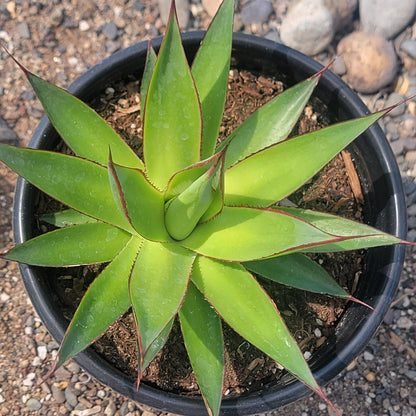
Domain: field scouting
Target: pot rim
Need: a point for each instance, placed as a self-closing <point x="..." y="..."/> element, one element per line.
<point x="254" y="402"/>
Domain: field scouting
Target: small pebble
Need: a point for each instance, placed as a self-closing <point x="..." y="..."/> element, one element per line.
<point x="110" y="30"/>
<point x="84" y="26"/>
<point x="368" y="356"/>
<point x="42" y="351"/>
<point x="33" y="404"/>
<point x="370" y="376"/>
<point x="101" y="394"/>
<point x="110" y="409"/>
<point x="409" y="46"/>
<point x="411" y="374"/>
<point x="58" y="394"/>
<point x="4" y="297"/>
<point x="23" y="30"/>
<point x="404" y="323"/>
<point x="28" y="381"/>
<point x="70" y="396"/>
<point x="393" y="99"/>
<point x="339" y="66"/>
<point x="256" y="11"/>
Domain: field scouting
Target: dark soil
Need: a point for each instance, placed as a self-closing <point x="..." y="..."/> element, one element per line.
<point x="311" y="318"/>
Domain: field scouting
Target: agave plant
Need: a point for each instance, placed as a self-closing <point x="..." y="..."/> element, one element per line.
<point x="187" y="224"/>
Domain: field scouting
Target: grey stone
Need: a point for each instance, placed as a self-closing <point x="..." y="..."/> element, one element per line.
<point x="273" y="35"/>
<point x="409" y="187"/>
<point x="409" y="143"/>
<point x="391" y="130"/>
<point x="339" y="66"/>
<point x="58" y="394"/>
<point x="110" y="30"/>
<point x="408" y="411"/>
<point x="409" y="46"/>
<point x="57" y="16"/>
<point x="342" y="12"/>
<point x="308" y="27"/>
<point x="411" y="235"/>
<point x="407" y="126"/>
<point x="70" y="396"/>
<point x="137" y="5"/>
<point x="7" y="135"/>
<point x="404" y="323"/>
<point x="393" y="99"/>
<point x="397" y="147"/>
<point x="370" y="60"/>
<point x="368" y="356"/>
<point x="257" y="11"/>
<point x="411" y="374"/>
<point x="182" y="9"/>
<point x="392" y="412"/>
<point x="23" y="30"/>
<point x="386" y="17"/>
<point x="33" y="404"/>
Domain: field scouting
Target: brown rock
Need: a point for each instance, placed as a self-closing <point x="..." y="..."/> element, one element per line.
<point x="370" y="60"/>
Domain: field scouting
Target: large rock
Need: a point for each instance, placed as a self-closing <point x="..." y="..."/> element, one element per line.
<point x="308" y="27"/>
<point x="370" y="60"/>
<point x="386" y="17"/>
<point x="342" y="12"/>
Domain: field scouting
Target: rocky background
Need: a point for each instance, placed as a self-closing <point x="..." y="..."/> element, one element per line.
<point x="61" y="39"/>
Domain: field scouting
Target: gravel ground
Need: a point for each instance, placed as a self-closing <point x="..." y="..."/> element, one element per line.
<point x="61" y="39"/>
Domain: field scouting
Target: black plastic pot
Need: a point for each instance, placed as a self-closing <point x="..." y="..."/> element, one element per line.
<point x="384" y="208"/>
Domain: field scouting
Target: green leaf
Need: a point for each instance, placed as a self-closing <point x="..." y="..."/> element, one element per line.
<point x="270" y="124"/>
<point x="202" y="334"/>
<point x="275" y="172"/>
<point x="147" y="76"/>
<point x="245" y="234"/>
<point x="156" y="346"/>
<point x="72" y="246"/>
<point x="185" y="177"/>
<point x="172" y="122"/>
<point x="217" y="203"/>
<point x="66" y="218"/>
<point x="85" y="132"/>
<point x="157" y="288"/>
<point x="105" y="301"/>
<point x="76" y="182"/>
<point x="358" y="235"/>
<point x="184" y="211"/>
<point x="245" y="306"/>
<point x="210" y="70"/>
<point x="298" y="271"/>
<point x="142" y="204"/>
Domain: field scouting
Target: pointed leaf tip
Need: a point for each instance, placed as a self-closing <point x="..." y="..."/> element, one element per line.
<point x="20" y="65"/>
<point x="322" y="395"/>
<point x="360" y="302"/>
